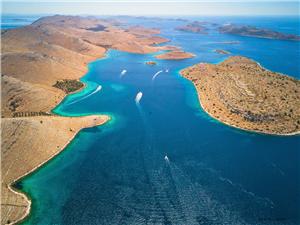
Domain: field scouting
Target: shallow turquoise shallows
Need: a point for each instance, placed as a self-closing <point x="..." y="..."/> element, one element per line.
<point x="164" y="160"/>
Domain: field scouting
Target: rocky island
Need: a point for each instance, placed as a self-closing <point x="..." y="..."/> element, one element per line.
<point x="222" y="52"/>
<point x="230" y="93"/>
<point x="151" y="63"/>
<point x="41" y="63"/>
<point x="194" y="27"/>
<point x="175" y="55"/>
<point x="251" y="31"/>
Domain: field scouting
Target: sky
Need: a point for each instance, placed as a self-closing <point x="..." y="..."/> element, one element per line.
<point x="154" y="7"/>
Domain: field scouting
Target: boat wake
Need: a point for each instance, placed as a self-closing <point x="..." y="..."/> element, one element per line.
<point x="182" y="200"/>
<point x="155" y="75"/>
<point x="92" y="93"/>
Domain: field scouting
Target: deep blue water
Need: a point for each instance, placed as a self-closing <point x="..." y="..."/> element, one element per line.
<point x="117" y="173"/>
<point x="11" y="21"/>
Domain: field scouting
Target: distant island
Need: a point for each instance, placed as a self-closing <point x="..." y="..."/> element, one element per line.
<point x="222" y="52"/>
<point x="230" y="93"/>
<point x="175" y="55"/>
<point x="252" y="31"/>
<point x="151" y="63"/>
<point x="194" y="27"/>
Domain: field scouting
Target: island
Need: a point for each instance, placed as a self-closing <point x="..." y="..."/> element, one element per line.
<point x="251" y="31"/>
<point x="222" y="52"/>
<point x="194" y="27"/>
<point x="151" y="63"/>
<point x="41" y="64"/>
<point x="175" y="55"/>
<point x="240" y="93"/>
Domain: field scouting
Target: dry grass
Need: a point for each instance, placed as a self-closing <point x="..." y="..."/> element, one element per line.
<point x="26" y="144"/>
<point x="55" y="48"/>
<point x="241" y="93"/>
<point x="34" y="58"/>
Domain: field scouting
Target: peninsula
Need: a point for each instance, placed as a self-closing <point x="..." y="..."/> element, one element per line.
<point x="252" y="31"/>
<point x="27" y="143"/>
<point x="41" y="63"/>
<point x="230" y="93"/>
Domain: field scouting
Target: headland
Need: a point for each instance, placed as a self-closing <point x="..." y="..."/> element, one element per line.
<point x="241" y="93"/>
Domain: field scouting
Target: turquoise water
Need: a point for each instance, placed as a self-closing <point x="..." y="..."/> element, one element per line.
<point x="215" y="174"/>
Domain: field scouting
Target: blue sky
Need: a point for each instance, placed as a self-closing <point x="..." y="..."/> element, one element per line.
<point x="154" y="7"/>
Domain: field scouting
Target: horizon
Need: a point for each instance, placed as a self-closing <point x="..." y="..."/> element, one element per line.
<point x="155" y="8"/>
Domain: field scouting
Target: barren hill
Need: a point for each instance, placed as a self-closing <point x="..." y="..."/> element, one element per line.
<point x="59" y="47"/>
<point x="240" y="93"/>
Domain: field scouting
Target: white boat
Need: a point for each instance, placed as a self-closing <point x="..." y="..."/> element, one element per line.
<point x="123" y="73"/>
<point x="138" y="97"/>
<point x="166" y="158"/>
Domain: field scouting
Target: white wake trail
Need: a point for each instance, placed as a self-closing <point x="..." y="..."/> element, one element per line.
<point x="155" y="75"/>
<point x="94" y="92"/>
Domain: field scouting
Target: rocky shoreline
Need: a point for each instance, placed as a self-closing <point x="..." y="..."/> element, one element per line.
<point x="230" y="93"/>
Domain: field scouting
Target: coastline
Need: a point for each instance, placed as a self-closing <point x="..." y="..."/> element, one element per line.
<point x="239" y="128"/>
<point x="198" y="92"/>
<point x="22" y="194"/>
<point x="14" y="215"/>
<point x="31" y="206"/>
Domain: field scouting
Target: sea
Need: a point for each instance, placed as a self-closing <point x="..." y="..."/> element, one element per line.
<point x="161" y="159"/>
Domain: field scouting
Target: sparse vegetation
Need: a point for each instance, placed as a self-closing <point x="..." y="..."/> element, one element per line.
<point x="68" y="86"/>
<point x="151" y="63"/>
<point x="30" y="114"/>
<point x="14" y="104"/>
<point x="247" y="96"/>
